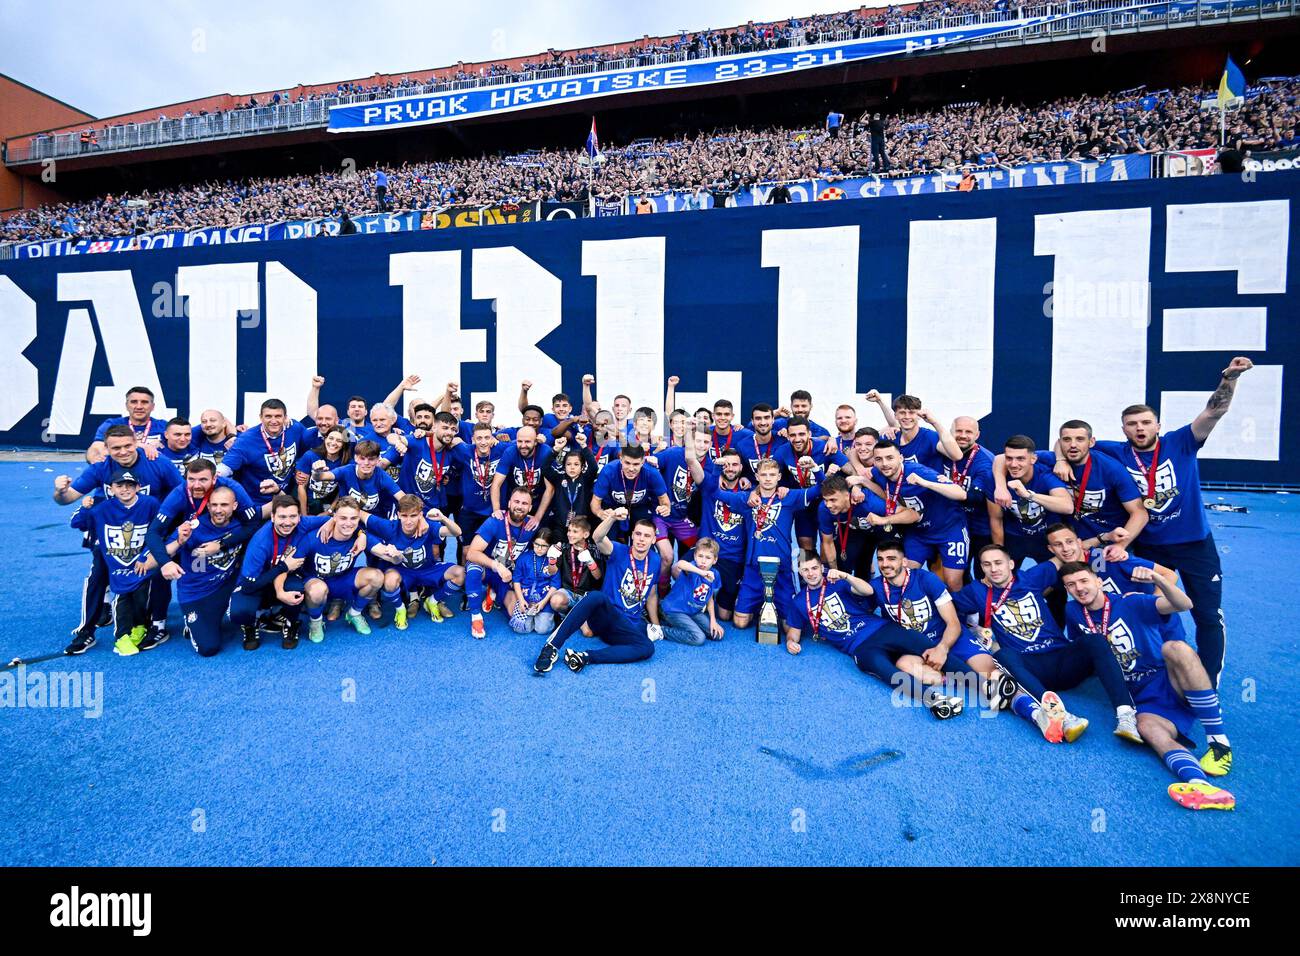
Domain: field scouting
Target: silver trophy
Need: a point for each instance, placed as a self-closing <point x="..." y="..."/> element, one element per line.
<point x="768" y="632"/>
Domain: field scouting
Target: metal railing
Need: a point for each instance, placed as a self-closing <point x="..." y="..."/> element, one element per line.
<point x="1086" y="16"/>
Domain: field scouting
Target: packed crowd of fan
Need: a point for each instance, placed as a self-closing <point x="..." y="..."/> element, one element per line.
<point x="946" y="138"/>
<point x="706" y="43"/>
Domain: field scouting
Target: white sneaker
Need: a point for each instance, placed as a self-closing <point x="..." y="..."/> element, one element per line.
<point x="1126" y="726"/>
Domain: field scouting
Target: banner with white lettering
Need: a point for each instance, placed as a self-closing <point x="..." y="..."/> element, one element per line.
<point x="1023" y="308"/>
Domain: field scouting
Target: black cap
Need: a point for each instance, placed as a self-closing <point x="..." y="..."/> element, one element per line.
<point x="123" y="475"/>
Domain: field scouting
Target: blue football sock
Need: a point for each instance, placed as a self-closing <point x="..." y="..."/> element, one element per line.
<point x="1024" y="706"/>
<point x="392" y="597"/>
<point x="1205" y="705"/>
<point x="1184" y="766"/>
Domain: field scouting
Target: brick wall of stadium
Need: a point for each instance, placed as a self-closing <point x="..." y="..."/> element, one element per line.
<point x="22" y="109"/>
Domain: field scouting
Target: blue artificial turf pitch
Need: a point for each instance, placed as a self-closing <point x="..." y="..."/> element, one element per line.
<point x="451" y="751"/>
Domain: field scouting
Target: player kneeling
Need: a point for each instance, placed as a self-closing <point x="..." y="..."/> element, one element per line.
<point x="1171" y="689"/>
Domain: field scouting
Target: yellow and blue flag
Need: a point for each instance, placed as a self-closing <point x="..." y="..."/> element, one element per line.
<point x="1232" y="84"/>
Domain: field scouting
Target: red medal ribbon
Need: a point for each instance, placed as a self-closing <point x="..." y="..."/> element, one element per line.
<point x="438" y="467"/>
<point x="990" y="608"/>
<point x="1083" y="488"/>
<point x="730" y="435"/>
<point x="842" y="532"/>
<point x="1149" y="472"/>
<point x="907" y="577"/>
<point x="639" y="578"/>
<point x="1105" y="618"/>
<point x="481" y="474"/>
<point x="275" y="545"/>
<point x="627" y="498"/>
<point x="815" y="617"/>
<point x="891" y="499"/>
<point x="266" y="441"/>
<point x="202" y="506"/>
<point x="960" y="479"/>
<point x="760" y="513"/>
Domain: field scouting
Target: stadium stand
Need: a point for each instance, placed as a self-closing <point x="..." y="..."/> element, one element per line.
<point x="982" y="133"/>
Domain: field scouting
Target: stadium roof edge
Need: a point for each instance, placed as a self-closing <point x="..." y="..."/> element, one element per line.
<point x="28" y="86"/>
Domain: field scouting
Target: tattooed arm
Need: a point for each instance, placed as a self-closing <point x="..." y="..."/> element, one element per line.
<point x="1218" y="404"/>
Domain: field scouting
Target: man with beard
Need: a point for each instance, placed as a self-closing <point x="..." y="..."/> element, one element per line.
<point x="718" y="520"/>
<point x="213" y="436"/>
<point x="624" y="613"/>
<point x="523" y="468"/>
<point x="762" y="442"/>
<point x="270" y="580"/>
<point x="1177" y="535"/>
<point x="490" y="559"/>
<point x="1171" y="689"/>
<point x="942" y="529"/>
<point x="628" y="485"/>
<point x="849" y="528"/>
<point x="834" y="606"/>
<point x="804" y="463"/>
<point x="1028" y="496"/>
<point x="725" y="435"/>
<point x="427" y="459"/>
<point x="204" y="562"/>
<point x="974" y="472"/>
<point x="475" y="462"/>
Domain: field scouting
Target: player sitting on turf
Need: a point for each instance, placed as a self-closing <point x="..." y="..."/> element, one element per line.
<point x="834" y="606"/>
<point x="1171" y="688"/>
<point x="917" y="600"/>
<point x="270" y="582"/>
<point x="535" y="582"/>
<point x="618" y="613"/>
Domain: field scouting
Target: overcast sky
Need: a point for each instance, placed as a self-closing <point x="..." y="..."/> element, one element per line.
<point x="125" y="55"/>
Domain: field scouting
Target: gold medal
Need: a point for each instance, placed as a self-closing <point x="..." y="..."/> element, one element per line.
<point x="1148" y="503"/>
<point x="985" y="635"/>
<point x="888" y="528"/>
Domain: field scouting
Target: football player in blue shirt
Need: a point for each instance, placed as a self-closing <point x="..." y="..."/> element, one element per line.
<point x="677" y="525"/>
<point x="725" y="434"/>
<point x="974" y="472"/>
<point x="769" y="520"/>
<point x="411" y="546"/>
<point x="624" y="613"/>
<point x="932" y="447"/>
<point x="804" y="464"/>
<point x="834" y="606"/>
<point x="262" y="458"/>
<point x="427" y="461"/>
<point x="1010" y="607"/>
<point x="1170" y="686"/>
<point x="212" y="436"/>
<point x="176" y="445"/>
<point x="204" y="562"/>
<point x="118" y="526"/>
<point x="629" y="485"/>
<point x="1107" y="503"/>
<point x="189" y="501"/>
<point x="761" y="442"/>
<point x="1029" y="497"/>
<point x="523" y="466"/>
<point x="719" y="521"/>
<point x="1177" y="535"/>
<point x="155" y="479"/>
<point x="850" y="528"/>
<point x="330" y="571"/>
<point x="942" y="528"/>
<point x="800" y="407"/>
<point x="490" y="559"/>
<point x="270" y="578"/>
<point x="139" y="418"/>
<point x="475" y="462"/>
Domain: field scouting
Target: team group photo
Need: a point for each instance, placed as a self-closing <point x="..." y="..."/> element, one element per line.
<point x="472" y="466"/>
